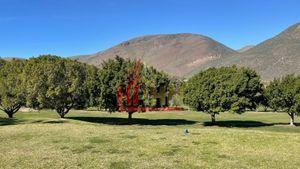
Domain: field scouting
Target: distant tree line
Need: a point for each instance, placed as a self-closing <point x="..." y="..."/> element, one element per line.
<point x="63" y="84"/>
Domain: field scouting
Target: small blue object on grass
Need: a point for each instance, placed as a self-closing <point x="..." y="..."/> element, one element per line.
<point x="186" y="131"/>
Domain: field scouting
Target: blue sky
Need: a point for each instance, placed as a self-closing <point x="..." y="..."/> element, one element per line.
<point x="73" y="27"/>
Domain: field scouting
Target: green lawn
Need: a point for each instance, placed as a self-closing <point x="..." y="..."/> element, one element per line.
<point x="155" y="140"/>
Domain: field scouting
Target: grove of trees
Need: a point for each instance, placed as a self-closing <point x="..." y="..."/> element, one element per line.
<point x="51" y="82"/>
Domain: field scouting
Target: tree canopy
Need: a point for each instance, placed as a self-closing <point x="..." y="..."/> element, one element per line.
<point x="111" y="74"/>
<point x="223" y="89"/>
<point x="284" y="94"/>
<point x="56" y="83"/>
<point x="12" y="95"/>
<point x="152" y="79"/>
<point x="92" y="86"/>
<point x="114" y="72"/>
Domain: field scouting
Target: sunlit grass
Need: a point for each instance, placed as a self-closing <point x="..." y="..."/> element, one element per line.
<point x="154" y="140"/>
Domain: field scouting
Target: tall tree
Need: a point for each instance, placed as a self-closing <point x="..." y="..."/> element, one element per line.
<point x="128" y="94"/>
<point x="115" y="72"/>
<point x="112" y="74"/>
<point x="223" y="89"/>
<point x="92" y="86"/>
<point x="284" y="94"/>
<point x="12" y="94"/>
<point x="56" y="83"/>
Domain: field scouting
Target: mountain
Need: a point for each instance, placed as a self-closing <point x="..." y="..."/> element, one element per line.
<point x="184" y="55"/>
<point x="275" y="57"/>
<point x="176" y="54"/>
<point x="244" y="49"/>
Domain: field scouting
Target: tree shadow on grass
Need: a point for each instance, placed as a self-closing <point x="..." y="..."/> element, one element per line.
<point x="55" y="122"/>
<point x="7" y="121"/>
<point x="14" y="121"/>
<point x="285" y="124"/>
<point x="134" y="121"/>
<point x="58" y="121"/>
<point x="238" y="123"/>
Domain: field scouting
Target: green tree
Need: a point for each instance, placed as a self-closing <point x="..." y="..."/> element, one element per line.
<point x="177" y="85"/>
<point x="12" y="95"/>
<point x="56" y="83"/>
<point x="264" y="101"/>
<point x="114" y="73"/>
<point x="284" y="94"/>
<point x="92" y="86"/>
<point x="223" y="89"/>
<point x="152" y="79"/>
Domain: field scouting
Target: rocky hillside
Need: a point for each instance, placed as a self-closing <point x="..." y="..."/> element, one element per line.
<point x="244" y="49"/>
<point x="184" y="55"/>
<point x="272" y="58"/>
<point x="176" y="54"/>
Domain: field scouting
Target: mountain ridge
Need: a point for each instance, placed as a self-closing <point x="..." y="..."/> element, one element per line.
<point x="185" y="54"/>
<point x="245" y="48"/>
<point x="272" y="58"/>
<point x="175" y="54"/>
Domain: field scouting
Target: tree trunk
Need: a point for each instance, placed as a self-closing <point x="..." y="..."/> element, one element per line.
<point x="130" y="115"/>
<point x="213" y="118"/>
<point x="292" y="119"/>
<point x="10" y="115"/>
<point x="63" y="111"/>
<point x="60" y="112"/>
<point x="10" y="111"/>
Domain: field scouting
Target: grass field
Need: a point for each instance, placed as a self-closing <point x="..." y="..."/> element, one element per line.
<point x="155" y="140"/>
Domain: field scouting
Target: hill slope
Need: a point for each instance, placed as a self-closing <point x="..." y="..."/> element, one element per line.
<point x="244" y="49"/>
<point x="176" y="54"/>
<point x="184" y="55"/>
<point x="275" y="57"/>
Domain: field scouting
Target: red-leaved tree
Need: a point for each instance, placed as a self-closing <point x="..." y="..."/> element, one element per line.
<point x="128" y="94"/>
